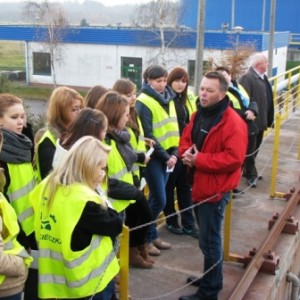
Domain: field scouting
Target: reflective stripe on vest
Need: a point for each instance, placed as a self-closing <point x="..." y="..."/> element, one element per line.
<point x="165" y="126"/>
<point x="118" y="170"/>
<point x="138" y="144"/>
<point x="64" y="273"/>
<point x="18" y="193"/>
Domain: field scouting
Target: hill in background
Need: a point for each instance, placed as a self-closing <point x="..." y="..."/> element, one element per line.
<point x="93" y="12"/>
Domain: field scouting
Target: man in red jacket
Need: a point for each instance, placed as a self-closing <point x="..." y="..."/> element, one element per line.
<point x="213" y="146"/>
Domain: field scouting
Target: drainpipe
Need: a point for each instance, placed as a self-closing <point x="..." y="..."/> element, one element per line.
<point x="291" y="277"/>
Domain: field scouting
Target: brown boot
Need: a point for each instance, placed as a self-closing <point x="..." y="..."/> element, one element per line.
<point x="144" y="254"/>
<point x="136" y="260"/>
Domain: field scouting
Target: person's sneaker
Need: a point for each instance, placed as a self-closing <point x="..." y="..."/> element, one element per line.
<point x="152" y="250"/>
<point x="161" y="245"/>
<point x="192" y="231"/>
<point x="175" y="229"/>
<point x="260" y="177"/>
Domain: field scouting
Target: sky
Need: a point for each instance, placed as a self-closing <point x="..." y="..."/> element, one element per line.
<point x="105" y="2"/>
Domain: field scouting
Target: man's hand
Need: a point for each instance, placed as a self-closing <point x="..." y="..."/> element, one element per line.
<point x="250" y="115"/>
<point x="189" y="156"/>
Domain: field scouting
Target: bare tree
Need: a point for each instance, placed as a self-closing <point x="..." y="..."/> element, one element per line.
<point x="236" y="59"/>
<point x="161" y="18"/>
<point x="49" y="16"/>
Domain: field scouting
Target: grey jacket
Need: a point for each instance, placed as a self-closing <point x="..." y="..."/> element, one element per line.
<point x="260" y="91"/>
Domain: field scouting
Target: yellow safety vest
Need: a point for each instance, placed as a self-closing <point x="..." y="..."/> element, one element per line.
<point x="118" y="170"/>
<point x="191" y="102"/>
<point x="47" y="134"/>
<point x="165" y="126"/>
<point x="21" y="184"/>
<point x="138" y="144"/>
<point x="10" y="222"/>
<point x="64" y="273"/>
<point x="234" y="100"/>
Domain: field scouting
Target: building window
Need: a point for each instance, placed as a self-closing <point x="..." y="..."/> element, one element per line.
<point x="207" y="65"/>
<point x="191" y="71"/>
<point x="131" y="68"/>
<point x="41" y="63"/>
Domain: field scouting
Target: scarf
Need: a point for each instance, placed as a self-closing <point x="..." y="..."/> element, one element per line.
<point x="163" y="98"/>
<point x="122" y="138"/>
<point x="205" y="119"/>
<point x="16" y="148"/>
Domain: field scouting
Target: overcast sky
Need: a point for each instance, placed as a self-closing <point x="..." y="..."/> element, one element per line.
<point x="105" y="2"/>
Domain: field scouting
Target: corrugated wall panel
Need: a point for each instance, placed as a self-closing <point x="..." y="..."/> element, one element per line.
<point x="248" y="14"/>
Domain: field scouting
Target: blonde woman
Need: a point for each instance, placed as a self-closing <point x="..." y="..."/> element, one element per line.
<point x="74" y="227"/>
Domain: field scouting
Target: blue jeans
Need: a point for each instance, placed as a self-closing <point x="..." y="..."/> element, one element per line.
<point x="13" y="297"/>
<point x="210" y="218"/>
<point x="156" y="177"/>
<point x="178" y="180"/>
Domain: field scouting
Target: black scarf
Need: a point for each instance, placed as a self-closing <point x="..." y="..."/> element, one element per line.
<point x="122" y="138"/>
<point x="163" y="99"/>
<point x="205" y="119"/>
<point x="16" y="148"/>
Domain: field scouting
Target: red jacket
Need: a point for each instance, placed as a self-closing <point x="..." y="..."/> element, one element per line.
<point x="218" y="165"/>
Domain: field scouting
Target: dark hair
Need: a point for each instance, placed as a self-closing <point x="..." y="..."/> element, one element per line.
<point x="88" y="122"/>
<point x="222" y="68"/>
<point x="113" y="105"/>
<point x="179" y="73"/>
<point x="93" y="95"/>
<point x="217" y="75"/>
<point x="125" y="86"/>
<point x="154" y="72"/>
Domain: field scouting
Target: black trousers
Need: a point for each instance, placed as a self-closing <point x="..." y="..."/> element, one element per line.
<point x="254" y="143"/>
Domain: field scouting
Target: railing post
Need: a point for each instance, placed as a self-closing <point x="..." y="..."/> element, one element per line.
<point x="124" y="263"/>
<point x="227" y="225"/>
<point x="275" y="155"/>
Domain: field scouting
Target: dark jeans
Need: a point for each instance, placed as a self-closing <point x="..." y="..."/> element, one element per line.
<point x="13" y="297"/>
<point x="31" y="285"/>
<point x="178" y="180"/>
<point x="156" y="177"/>
<point x="138" y="214"/>
<point x="210" y="218"/>
<point x="254" y="142"/>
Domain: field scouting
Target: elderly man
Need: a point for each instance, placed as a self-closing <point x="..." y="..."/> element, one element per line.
<point x="213" y="146"/>
<point x="257" y="85"/>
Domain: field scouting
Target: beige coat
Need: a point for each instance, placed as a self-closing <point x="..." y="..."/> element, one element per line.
<point x="13" y="267"/>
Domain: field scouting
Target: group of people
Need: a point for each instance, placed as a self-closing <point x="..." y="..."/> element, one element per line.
<point x="69" y="189"/>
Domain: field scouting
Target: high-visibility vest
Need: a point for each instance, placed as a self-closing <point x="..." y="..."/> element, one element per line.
<point x="191" y="102"/>
<point x="11" y="245"/>
<point x="235" y="101"/>
<point x="21" y="184"/>
<point x="138" y="144"/>
<point x="118" y="170"/>
<point x="165" y="126"/>
<point x="47" y="134"/>
<point x="64" y="273"/>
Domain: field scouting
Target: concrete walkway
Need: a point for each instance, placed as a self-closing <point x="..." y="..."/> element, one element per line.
<point x="251" y="213"/>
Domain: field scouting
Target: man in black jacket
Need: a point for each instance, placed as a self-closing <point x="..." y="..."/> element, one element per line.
<point x="257" y="85"/>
